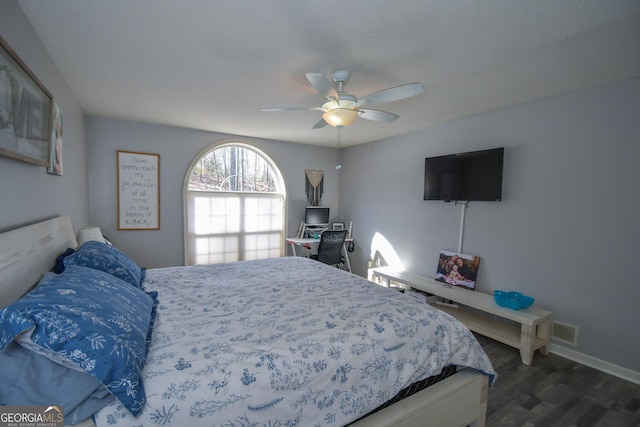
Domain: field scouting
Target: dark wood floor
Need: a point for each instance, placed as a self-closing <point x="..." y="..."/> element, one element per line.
<point x="556" y="392"/>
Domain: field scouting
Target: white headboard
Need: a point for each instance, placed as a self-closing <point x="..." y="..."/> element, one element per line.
<point x="28" y="252"/>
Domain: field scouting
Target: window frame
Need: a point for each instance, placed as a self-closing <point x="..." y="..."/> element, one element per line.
<point x="280" y="183"/>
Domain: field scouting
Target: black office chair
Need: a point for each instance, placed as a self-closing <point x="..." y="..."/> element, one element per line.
<point x="330" y="247"/>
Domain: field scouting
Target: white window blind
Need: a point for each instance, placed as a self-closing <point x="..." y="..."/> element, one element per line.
<point x="225" y="226"/>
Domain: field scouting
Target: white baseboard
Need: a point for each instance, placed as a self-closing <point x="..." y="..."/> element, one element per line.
<point x="592" y="362"/>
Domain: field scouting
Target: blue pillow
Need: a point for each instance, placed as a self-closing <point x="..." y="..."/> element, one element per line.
<point x="27" y="378"/>
<point x="107" y="258"/>
<point x="90" y="320"/>
<point x="59" y="267"/>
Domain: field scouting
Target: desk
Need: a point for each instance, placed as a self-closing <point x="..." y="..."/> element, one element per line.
<point x="295" y="241"/>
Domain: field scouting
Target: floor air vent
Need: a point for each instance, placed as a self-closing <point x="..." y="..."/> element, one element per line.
<point x="565" y="333"/>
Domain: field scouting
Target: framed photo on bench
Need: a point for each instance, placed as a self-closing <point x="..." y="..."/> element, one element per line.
<point x="458" y="269"/>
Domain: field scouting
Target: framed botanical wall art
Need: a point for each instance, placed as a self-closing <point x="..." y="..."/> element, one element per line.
<point x="25" y="111"/>
<point x="55" y="146"/>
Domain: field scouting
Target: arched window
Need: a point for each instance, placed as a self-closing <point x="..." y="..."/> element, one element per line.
<point x="235" y="202"/>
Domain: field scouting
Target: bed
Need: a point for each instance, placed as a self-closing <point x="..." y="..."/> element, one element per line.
<point x="285" y="341"/>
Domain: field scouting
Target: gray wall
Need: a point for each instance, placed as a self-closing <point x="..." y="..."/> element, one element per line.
<point x="178" y="147"/>
<point x="565" y="232"/>
<point x="27" y="193"/>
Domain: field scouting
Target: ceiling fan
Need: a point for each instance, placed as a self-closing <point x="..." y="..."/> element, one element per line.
<point x="340" y="108"/>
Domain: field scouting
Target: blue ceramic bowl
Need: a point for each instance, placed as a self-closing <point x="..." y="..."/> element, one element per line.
<point x="513" y="300"/>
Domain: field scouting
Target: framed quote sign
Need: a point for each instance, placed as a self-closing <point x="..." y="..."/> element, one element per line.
<point x="138" y="191"/>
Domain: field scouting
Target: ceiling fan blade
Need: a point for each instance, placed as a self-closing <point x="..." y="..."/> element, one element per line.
<point x="321" y="123"/>
<point x="321" y="84"/>
<point x="289" y="108"/>
<point x="393" y="94"/>
<point x="377" y="115"/>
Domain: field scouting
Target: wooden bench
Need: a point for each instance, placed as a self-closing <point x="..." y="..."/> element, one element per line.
<point x="527" y="330"/>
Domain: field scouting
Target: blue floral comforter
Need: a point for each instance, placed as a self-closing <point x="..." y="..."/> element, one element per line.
<point x="285" y="342"/>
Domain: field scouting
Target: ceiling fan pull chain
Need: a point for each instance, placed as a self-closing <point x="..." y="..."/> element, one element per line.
<point x="339" y="165"/>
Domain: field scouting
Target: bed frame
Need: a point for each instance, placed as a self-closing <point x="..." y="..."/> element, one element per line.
<point x="28" y="252"/>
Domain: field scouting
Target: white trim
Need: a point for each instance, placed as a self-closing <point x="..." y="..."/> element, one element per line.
<point x="279" y="177"/>
<point x="599" y="364"/>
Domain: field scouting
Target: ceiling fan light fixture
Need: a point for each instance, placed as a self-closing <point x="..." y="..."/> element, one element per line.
<point x="340" y="117"/>
<point x="340" y="109"/>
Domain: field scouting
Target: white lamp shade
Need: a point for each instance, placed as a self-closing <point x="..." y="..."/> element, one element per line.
<point x="340" y="117"/>
<point x="89" y="233"/>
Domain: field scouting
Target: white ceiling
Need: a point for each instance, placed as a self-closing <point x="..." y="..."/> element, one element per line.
<point x="211" y="65"/>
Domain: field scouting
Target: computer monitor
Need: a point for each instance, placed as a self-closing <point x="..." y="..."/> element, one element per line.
<point x="316" y="215"/>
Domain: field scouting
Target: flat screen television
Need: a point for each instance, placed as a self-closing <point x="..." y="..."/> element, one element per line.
<point x="471" y="176"/>
<point x="316" y="215"/>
